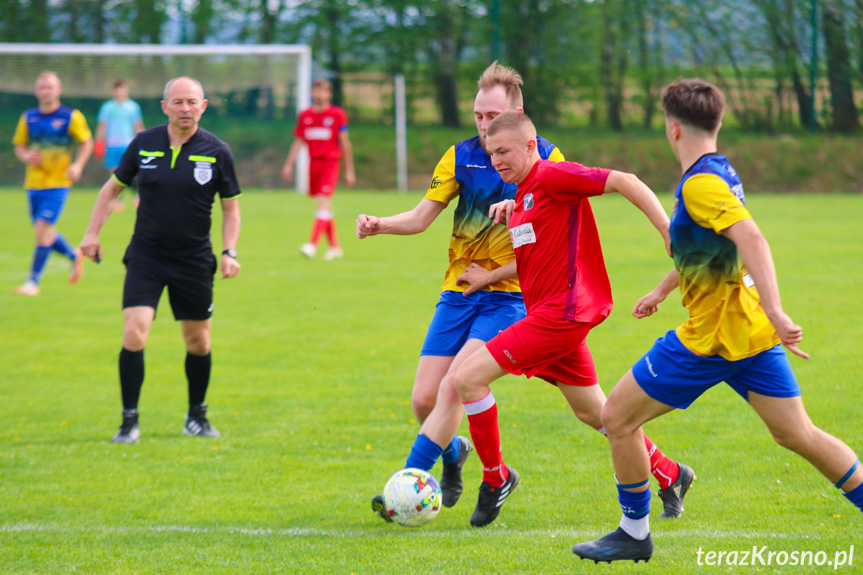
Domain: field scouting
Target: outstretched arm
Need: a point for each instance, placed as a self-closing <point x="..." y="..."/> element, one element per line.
<point x="755" y="253"/>
<point x="643" y="198"/>
<point x="404" y="224"/>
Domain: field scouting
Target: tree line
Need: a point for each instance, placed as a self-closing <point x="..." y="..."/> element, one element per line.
<point x="784" y="64"/>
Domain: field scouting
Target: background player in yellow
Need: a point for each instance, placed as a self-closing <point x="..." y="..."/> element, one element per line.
<point x="44" y="141"/>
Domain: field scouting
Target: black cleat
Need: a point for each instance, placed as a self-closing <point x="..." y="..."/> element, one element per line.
<point x="616" y="546"/>
<point x="451" y="484"/>
<point x="197" y="424"/>
<point x="379" y="508"/>
<point x="672" y="498"/>
<point x="129" y="431"/>
<point x="491" y="499"/>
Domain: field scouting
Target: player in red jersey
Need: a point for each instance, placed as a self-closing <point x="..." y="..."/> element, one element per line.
<point x="324" y="129"/>
<point x="566" y="292"/>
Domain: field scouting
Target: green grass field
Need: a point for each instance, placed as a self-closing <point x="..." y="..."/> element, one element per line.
<point x="313" y="364"/>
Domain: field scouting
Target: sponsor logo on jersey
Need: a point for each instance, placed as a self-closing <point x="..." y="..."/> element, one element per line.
<point x="528" y="202"/>
<point x="521" y="235"/>
<point x="509" y="355"/>
<point x="434" y="183"/>
<point x="58" y="123"/>
<point x="318" y="134"/>
<point x="147" y="160"/>
<point x="203" y="172"/>
<point x="475" y="166"/>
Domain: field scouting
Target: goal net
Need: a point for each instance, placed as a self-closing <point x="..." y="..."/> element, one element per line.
<point x="254" y="94"/>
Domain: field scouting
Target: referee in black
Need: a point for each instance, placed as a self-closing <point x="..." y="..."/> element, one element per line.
<point x="180" y="168"/>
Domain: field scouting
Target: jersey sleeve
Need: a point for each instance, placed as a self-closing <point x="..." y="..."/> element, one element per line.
<point x="229" y="187"/>
<point x="711" y="203"/>
<point x="570" y="181"/>
<point x="103" y="112"/>
<point x="22" y="135"/>
<point x="128" y="168"/>
<point x="78" y="128"/>
<point x="444" y="187"/>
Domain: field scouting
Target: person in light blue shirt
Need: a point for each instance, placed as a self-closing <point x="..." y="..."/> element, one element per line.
<point x="120" y="119"/>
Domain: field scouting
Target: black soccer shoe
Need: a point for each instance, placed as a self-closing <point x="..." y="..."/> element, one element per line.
<point x="129" y="431"/>
<point x="451" y="484"/>
<point x="197" y="423"/>
<point x="672" y="498"/>
<point x="616" y="546"/>
<point x="379" y="508"/>
<point x="491" y="499"/>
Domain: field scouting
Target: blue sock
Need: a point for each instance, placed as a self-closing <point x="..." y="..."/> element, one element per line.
<point x="453" y="450"/>
<point x="40" y="258"/>
<point x="62" y="246"/>
<point x="424" y="453"/>
<point x="855" y="496"/>
<point x="635" y="504"/>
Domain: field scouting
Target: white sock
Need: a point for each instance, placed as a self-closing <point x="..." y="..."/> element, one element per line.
<point x="636" y="528"/>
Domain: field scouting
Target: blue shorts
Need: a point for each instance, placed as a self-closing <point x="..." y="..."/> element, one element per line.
<point x="113" y="154"/>
<point x="673" y="375"/>
<point x="47" y="204"/>
<point x="481" y="315"/>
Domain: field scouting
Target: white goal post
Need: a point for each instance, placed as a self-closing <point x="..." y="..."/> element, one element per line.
<point x="85" y="68"/>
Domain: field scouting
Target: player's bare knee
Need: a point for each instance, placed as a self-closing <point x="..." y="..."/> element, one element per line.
<point x="796" y="439"/>
<point x="614" y="420"/>
<point x="422" y="404"/>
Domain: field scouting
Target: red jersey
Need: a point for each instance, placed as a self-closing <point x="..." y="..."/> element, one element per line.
<point x="556" y="242"/>
<point x="320" y="131"/>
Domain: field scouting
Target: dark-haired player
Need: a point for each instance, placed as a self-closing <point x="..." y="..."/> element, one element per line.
<point x="735" y="331"/>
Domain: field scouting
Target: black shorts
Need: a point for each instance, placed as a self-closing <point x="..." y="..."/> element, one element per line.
<point x="189" y="291"/>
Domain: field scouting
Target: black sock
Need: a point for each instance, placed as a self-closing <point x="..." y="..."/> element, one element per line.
<point x="131" y="377"/>
<point x="198" y="374"/>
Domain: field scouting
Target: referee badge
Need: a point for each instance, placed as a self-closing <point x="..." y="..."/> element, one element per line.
<point x="528" y="202"/>
<point x="203" y="172"/>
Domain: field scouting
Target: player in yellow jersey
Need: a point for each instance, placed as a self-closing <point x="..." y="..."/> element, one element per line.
<point x="44" y="140"/>
<point x="725" y="272"/>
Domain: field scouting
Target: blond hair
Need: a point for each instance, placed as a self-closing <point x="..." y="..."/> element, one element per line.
<point x="508" y="78"/>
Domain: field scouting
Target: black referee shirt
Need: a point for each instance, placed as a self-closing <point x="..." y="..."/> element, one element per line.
<point x="177" y="190"/>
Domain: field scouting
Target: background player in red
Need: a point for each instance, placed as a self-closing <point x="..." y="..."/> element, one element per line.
<point x="566" y="292"/>
<point x="324" y="129"/>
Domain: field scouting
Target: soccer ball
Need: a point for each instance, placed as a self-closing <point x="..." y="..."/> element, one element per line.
<point x="412" y="497"/>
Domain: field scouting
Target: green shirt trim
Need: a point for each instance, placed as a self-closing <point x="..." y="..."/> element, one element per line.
<point x="210" y="159"/>
<point x="119" y="181"/>
<point x="174" y="153"/>
<point x="147" y="154"/>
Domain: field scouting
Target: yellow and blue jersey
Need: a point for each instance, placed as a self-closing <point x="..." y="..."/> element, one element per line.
<point x="55" y="135"/>
<point x="725" y="313"/>
<point x="466" y="171"/>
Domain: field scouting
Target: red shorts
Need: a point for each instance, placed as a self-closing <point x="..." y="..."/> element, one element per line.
<point x="552" y="349"/>
<point x="323" y="177"/>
